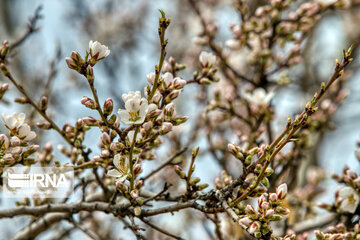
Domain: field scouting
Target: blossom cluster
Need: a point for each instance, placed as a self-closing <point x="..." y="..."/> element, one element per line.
<point x="16" y="149"/>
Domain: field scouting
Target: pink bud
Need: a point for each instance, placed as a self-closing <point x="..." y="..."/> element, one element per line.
<point x="134" y="193"/>
<point x="281" y="191"/>
<point x="105" y="138"/>
<point x="273" y="197"/>
<point x="137" y="169"/>
<point x="108" y="106"/>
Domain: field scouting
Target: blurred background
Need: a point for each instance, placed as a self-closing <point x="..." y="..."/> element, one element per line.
<point x="129" y="29"/>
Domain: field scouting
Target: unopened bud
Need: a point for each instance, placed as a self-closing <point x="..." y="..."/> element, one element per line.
<point x="117" y="146"/>
<point x="108" y="106"/>
<point x="88" y="102"/>
<point x="246" y="221"/>
<point x="3" y="89"/>
<point x="21" y="100"/>
<point x="174" y="94"/>
<point x="43" y="103"/>
<point x="105" y="138"/>
<point x="281" y="191"/>
<point x="43" y="125"/>
<point x="165" y="128"/>
<point x="180" y="120"/>
<point x="194" y="181"/>
<point x="202" y="186"/>
<point x="137" y="211"/>
<point x="179" y="171"/>
<point x="151" y="78"/>
<point x="90" y="74"/>
<point x="4" y="48"/>
<point x="134" y="193"/>
<point x="137" y="169"/>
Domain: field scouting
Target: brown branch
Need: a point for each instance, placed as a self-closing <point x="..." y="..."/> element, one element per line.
<point x="31" y="28"/>
<point x="150" y="224"/>
<point x="167" y="162"/>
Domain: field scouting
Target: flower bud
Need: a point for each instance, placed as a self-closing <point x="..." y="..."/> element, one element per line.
<point x="71" y="64"/>
<point x="282" y="210"/>
<point x="30" y="150"/>
<point x="134" y="193"/>
<point x="148" y="126"/>
<point x="14" y="141"/>
<point x="43" y="125"/>
<point x="137" y="211"/>
<point x="90" y="121"/>
<point x="194" y="181"/>
<point x="139" y="184"/>
<point x="246" y="221"/>
<point x="137" y="169"/>
<point x="174" y="94"/>
<point x="204" y="81"/>
<point x="105" y="138"/>
<point x="281" y="191"/>
<point x="21" y="100"/>
<point x="178" y="83"/>
<point x="43" y="103"/>
<point x="236" y="151"/>
<point x="165" y="128"/>
<point x="251" y="211"/>
<point x="4" y="141"/>
<point x="202" y="186"/>
<point x="254" y="227"/>
<point x="105" y="153"/>
<point x="273" y="197"/>
<point x="90" y="75"/>
<point x="4" y="48"/>
<point x="180" y="120"/>
<point x="88" y="102"/>
<point x="3" y="89"/>
<point x="151" y="78"/>
<point x="116" y="146"/>
<point x="179" y="171"/>
<point x="269" y="213"/>
<point x="108" y="106"/>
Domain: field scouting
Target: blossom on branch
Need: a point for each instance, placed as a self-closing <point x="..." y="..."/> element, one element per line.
<point x="349" y="199"/>
<point x="136" y="108"/>
<point x="98" y="51"/>
<point x="15" y="123"/>
<point x="121" y="170"/>
<point x="207" y="59"/>
<point x="259" y="97"/>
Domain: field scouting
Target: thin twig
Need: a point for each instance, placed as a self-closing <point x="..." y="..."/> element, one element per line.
<point x="160" y="229"/>
<point x="165" y="163"/>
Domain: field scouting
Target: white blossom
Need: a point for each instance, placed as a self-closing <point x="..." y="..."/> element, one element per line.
<point x="136" y="108"/>
<point x="207" y="59"/>
<point x="14" y="120"/>
<point x="259" y="97"/>
<point x="170" y="81"/>
<point x="121" y="170"/>
<point x="25" y="132"/>
<point x="151" y="78"/>
<point x="233" y="44"/>
<point x="15" y="123"/>
<point x="97" y="48"/>
<point x="157" y="95"/>
<point x="349" y="199"/>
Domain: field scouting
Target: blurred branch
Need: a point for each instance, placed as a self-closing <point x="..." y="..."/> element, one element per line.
<point x="31" y="28"/>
